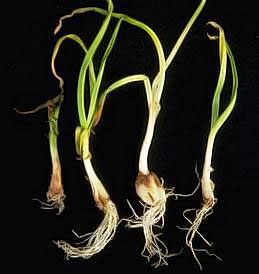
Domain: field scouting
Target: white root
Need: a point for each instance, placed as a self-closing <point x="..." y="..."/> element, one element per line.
<point x="201" y="214"/>
<point x="152" y="192"/>
<point x="53" y="202"/>
<point x="153" y="217"/>
<point x="97" y="240"/>
<point x="56" y="201"/>
<point x="209" y="201"/>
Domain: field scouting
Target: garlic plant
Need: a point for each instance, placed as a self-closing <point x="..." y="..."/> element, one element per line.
<point x="217" y="120"/>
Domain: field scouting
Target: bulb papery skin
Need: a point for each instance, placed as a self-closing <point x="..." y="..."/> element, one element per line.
<point x="208" y="192"/>
<point x="149" y="188"/>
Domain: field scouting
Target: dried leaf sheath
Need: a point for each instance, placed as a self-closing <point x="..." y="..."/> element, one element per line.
<point x="55" y="194"/>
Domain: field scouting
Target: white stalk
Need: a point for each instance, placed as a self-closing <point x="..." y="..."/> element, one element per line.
<point x="206" y="183"/>
<point x="99" y="192"/>
<point x="154" y="109"/>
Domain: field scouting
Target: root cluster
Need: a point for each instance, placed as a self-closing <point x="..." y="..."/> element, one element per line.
<point x="201" y="214"/>
<point x="94" y="241"/>
<point x="53" y="202"/>
<point x="152" y="218"/>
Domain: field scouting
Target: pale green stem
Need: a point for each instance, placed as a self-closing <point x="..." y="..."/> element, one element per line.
<point x="157" y="89"/>
<point x="53" y="148"/>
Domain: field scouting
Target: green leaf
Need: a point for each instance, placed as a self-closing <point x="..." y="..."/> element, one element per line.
<point x="218" y="120"/>
<point x="94" y="94"/>
<point x="87" y="59"/>
<point x="223" y="117"/>
<point x="184" y="33"/>
<point x="222" y="73"/>
<point x="116" y="85"/>
<point x="127" y="19"/>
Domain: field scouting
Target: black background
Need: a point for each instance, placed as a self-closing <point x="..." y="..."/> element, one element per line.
<point x="178" y="144"/>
